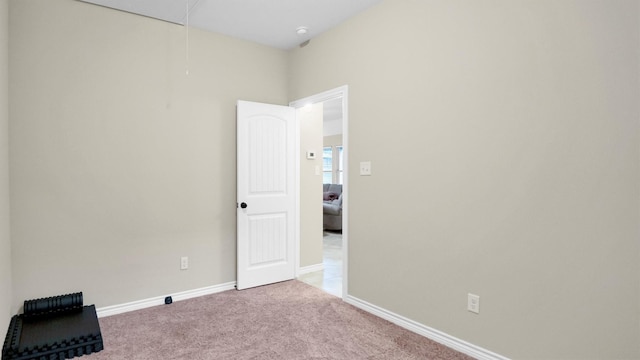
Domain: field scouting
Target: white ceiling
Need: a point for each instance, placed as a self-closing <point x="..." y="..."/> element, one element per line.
<point x="268" y="22"/>
<point x="332" y="117"/>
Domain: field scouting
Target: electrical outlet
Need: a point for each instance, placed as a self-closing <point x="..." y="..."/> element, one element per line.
<point x="184" y="263"/>
<point x="473" y="303"/>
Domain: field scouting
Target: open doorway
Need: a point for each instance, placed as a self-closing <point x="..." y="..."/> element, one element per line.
<point x="331" y="273"/>
<point x="330" y="278"/>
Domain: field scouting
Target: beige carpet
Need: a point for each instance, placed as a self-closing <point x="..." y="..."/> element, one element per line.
<point x="288" y="320"/>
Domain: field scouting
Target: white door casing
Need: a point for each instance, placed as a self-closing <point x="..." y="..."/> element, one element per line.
<point x="266" y="196"/>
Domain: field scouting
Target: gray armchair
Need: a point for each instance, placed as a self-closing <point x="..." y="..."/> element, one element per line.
<point x="332" y="207"/>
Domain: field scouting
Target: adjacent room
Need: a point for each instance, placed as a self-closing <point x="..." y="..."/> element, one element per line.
<point x="328" y="275"/>
<point x="491" y="153"/>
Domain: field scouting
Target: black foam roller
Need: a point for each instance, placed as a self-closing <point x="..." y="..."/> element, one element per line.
<point x="52" y="305"/>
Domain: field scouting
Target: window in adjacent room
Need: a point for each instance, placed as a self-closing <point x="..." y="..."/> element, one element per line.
<point x="332" y="168"/>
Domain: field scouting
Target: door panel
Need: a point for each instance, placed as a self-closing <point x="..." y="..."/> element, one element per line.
<point x="266" y="174"/>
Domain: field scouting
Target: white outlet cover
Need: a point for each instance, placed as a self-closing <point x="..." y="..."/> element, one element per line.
<point x="473" y="303"/>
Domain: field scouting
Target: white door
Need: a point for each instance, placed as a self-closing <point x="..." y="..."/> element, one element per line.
<point x="266" y="196"/>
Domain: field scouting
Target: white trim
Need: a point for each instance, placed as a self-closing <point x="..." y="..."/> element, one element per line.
<point x="345" y="190"/>
<point x="310" y="269"/>
<point x="159" y="300"/>
<point x="296" y="212"/>
<point x="428" y="332"/>
<point x="339" y="92"/>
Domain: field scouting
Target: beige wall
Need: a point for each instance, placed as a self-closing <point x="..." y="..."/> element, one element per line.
<point x="519" y="120"/>
<point x="120" y="163"/>
<point x="5" y="241"/>
<point x="334" y="140"/>
<point x="310" y="120"/>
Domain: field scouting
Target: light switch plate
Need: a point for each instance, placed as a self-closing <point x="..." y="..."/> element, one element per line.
<point x="365" y="168"/>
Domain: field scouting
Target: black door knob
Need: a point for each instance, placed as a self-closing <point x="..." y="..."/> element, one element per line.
<point x="243" y="205"/>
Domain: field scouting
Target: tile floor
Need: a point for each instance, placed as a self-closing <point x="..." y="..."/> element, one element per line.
<point x="329" y="279"/>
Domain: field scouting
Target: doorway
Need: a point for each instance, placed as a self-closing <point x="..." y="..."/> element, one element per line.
<point x="331" y="274"/>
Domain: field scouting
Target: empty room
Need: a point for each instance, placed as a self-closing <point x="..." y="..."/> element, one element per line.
<point x="498" y="215"/>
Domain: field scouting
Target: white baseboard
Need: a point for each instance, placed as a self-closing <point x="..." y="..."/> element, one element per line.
<point x="310" y="269"/>
<point x="159" y="300"/>
<point x="430" y="333"/>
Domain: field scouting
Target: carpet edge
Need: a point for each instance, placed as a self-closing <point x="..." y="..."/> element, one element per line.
<point x="424" y="330"/>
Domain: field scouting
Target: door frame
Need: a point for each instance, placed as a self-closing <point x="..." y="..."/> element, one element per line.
<point x="343" y="92"/>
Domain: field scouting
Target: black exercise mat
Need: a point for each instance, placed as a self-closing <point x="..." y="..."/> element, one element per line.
<point x="64" y="332"/>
